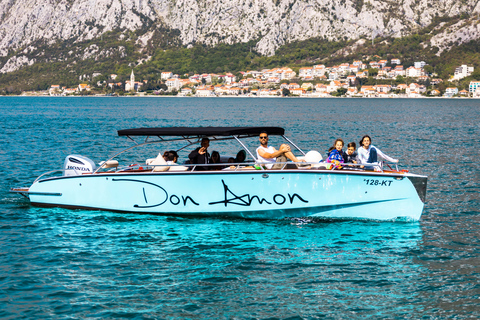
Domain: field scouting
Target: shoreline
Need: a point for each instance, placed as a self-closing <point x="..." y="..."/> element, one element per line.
<point x="226" y="96"/>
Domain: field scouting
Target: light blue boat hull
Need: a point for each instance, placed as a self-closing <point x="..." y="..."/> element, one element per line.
<point x="252" y="194"/>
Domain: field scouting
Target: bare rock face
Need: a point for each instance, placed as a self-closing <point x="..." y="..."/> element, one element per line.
<point x="26" y="23"/>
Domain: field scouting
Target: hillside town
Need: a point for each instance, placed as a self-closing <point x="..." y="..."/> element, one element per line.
<point x="344" y="80"/>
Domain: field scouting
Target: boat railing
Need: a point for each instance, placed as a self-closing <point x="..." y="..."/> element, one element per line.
<point x="379" y="167"/>
<point x="49" y="173"/>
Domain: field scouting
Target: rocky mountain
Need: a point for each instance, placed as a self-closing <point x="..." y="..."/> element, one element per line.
<point x="27" y="27"/>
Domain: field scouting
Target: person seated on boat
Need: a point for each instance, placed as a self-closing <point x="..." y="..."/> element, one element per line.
<point x="200" y="155"/>
<point x="165" y="155"/>
<point x="351" y="156"/>
<point x="171" y="157"/>
<point x="215" y="158"/>
<point x="241" y="156"/>
<point x="336" y="154"/>
<point x="268" y="155"/>
<point x="368" y="153"/>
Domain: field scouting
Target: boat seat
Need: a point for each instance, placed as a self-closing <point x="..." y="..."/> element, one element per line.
<point x="178" y="168"/>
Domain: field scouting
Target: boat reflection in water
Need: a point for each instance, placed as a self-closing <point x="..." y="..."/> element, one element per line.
<point x="245" y="190"/>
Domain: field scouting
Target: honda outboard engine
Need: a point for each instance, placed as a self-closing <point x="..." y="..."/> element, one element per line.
<point x="76" y="164"/>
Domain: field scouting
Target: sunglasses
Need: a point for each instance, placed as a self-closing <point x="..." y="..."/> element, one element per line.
<point x="263" y="137"/>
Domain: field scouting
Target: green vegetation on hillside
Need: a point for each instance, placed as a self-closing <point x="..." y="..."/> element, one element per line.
<point x="117" y="53"/>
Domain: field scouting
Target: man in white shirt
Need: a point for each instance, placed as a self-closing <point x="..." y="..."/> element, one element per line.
<point x="269" y="155"/>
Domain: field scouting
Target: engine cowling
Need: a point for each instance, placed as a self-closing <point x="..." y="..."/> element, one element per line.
<point x="75" y="165"/>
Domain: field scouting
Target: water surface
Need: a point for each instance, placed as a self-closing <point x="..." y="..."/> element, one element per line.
<point x="58" y="263"/>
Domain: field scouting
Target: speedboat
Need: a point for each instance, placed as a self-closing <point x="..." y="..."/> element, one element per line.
<point x="249" y="190"/>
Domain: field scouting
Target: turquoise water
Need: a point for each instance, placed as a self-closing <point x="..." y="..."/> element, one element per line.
<point x="58" y="263"/>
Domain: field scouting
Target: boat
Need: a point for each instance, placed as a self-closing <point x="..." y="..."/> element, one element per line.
<point x="312" y="189"/>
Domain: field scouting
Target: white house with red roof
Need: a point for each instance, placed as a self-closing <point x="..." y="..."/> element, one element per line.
<point x="173" y="84"/>
<point x="450" y="92"/>
<point x="305" y="72"/>
<point x="357" y="63"/>
<point x="297" y="91"/>
<point x="399" y="71"/>
<point x="229" y="78"/>
<point x="415" y="89"/>
<point x="293" y="85"/>
<point x="83" y="87"/>
<point x="368" y="91"/>
<point x="413" y="72"/>
<point x="166" y="75"/>
<point x="385" y="88"/>
<point x="205" y="91"/>
<point x="319" y="70"/>
<point x="54" y="90"/>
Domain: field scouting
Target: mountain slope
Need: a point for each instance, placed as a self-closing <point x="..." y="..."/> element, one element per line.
<point x="27" y="24"/>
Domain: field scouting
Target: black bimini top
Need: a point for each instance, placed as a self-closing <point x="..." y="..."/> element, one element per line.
<point x="201" y="131"/>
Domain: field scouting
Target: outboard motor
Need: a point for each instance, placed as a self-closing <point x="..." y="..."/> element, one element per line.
<point x="76" y="165"/>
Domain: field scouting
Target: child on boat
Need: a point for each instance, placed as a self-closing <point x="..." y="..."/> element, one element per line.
<point x="335" y="153"/>
<point x="351" y="156"/>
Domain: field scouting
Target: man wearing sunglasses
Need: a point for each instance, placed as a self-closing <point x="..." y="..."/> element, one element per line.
<point x="269" y="155"/>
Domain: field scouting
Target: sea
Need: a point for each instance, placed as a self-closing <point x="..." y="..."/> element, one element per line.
<point x="76" y="264"/>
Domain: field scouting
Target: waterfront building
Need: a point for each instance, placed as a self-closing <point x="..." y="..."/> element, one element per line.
<point x="68" y="91"/>
<point x="473" y="87"/>
<point x="352" y="91"/>
<point x="450" y="92"/>
<point x="415" y="89"/>
<point x="368" y="91"/>
<point x="205" y="91"/>
<point x="132" y="85"/>
<point x="307" y="85"/>
<point x="186" y="91"/>
<point x="83" y="87"/>
<point x="297" y="92"/>
<point x="385" y="88"/>
<point x="320" y="88"/>
<point x="172" y="84"/>
<point x="54" y="90"/>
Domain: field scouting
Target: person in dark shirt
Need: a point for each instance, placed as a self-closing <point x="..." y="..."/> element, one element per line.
<point x="200" y="155"/>
<point x="351" y="156"/>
